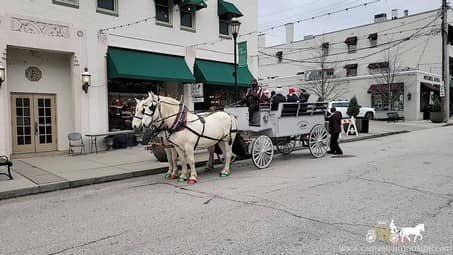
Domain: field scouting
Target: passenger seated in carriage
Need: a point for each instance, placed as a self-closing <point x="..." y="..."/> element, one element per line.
<point x="253" y="98"/>
<point x="292" y="96"/>
<point x="277" y="99"/>
<point x="303" y="96"/>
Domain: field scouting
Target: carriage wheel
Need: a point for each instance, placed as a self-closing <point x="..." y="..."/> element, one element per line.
<point x="286" y="147"/>
<point x="262" y="151"/>
<point x="318" y="141"/>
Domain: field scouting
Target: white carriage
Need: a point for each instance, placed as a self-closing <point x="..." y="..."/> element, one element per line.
<point x="292" y="126"/>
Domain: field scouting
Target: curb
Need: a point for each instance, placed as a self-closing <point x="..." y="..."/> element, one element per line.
<point x="84" y="182"/>
<point x="123" y="176"/>
<point x="374" y="136"/>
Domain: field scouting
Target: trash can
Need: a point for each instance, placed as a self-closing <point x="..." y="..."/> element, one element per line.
<point x="365" y="127"/>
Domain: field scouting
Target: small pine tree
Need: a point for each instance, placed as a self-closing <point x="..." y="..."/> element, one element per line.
<point x="436" y="105"/>
<point x="353" y="108"/>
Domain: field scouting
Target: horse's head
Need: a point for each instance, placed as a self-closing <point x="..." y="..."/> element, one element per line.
<point x="138" y="117"/>
<point x="151" y="112"/>
<point x="421" y="227"/>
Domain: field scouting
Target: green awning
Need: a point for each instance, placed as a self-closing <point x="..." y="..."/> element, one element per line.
<point x="131" y="64"/>
<point x="228" y="9"/>
<point x="199" y="4"/>
<point x="219" y="73"/>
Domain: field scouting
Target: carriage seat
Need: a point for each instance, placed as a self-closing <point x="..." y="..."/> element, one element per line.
<point x="301" y="109"/>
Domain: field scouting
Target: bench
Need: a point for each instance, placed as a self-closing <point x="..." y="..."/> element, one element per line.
<point x="394" y="116"/>
<point x="4" y="161"/>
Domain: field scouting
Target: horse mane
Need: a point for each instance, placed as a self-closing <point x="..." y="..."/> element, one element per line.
<point x="169" y="100"/>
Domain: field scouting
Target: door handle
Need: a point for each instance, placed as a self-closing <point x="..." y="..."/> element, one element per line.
<point x="36" y="128"/>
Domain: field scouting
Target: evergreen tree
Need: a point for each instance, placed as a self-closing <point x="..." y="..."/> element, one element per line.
<point x="353" y="108"/>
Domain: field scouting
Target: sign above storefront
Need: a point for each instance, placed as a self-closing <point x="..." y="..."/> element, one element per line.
<point x="242" y="49"/>
<point x="197" y="93"/>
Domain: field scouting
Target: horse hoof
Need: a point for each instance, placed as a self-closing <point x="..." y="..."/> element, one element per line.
<point x="223" y="174"/>
<point x="166" y="176"/>
<point x="173" y="177"/>
<point x="191" y="181"/>
<point x="181" y="179"/>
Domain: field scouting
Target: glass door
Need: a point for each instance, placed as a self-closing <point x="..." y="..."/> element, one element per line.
<point x="33" y="123"/>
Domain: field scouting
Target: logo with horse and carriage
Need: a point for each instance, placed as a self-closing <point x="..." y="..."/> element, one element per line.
<point x="391" y="233"/>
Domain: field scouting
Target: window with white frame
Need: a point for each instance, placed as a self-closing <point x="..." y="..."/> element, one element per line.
<point x="107" y="7"/>
<point x="373" y="40"/>
<point x="163" y="12"/>
<point x="224" y="26"/>
<point x="187" y="16"/>
<point x="70" y="3"/>
<point x="351" y="70"/>
<point x="325" y="49"/>
<point x="351" y="42"/>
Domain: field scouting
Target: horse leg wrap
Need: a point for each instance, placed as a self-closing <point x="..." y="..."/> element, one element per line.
<point x="167" y="176"/>
<point x="191" y="181"/>
<point x="224" y="174"/>
<point x="182" y="179"/>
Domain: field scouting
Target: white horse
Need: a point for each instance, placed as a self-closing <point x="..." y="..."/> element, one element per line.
<point x="416" y="231"/>
<point x="171" y="153"/>
<point x="188" y="131"/>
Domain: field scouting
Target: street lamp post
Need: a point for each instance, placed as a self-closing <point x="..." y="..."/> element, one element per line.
<point x="235" y="25"/>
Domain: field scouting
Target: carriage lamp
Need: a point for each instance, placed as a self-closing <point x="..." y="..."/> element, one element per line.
<point x="2" y="74"/>
<point x="86" y="80"/>
<point x="409" y="96"/>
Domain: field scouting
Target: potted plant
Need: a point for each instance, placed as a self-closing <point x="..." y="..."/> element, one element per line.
<point x="353" y="111"/>
<point x="436" y="111"/>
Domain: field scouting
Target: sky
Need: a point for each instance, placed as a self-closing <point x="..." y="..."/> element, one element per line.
<point x="273" y="13"/>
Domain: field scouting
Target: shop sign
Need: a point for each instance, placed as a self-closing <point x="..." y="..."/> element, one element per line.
<point x="242" y="49"/>
<point x="197" y="93"/>
<point x="442" y="89"/>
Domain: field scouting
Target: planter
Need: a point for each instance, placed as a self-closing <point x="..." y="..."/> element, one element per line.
<point x="436" y="117"/>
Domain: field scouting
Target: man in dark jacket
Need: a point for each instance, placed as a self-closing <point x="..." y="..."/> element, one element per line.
<point x="277" y="99"/>
<point x="253" y="98"/>
<point x="304" y="95"/>
<point x="334" y="119"/>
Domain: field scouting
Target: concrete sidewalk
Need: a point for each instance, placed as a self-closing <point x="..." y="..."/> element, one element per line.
<point x="48" y="173"/>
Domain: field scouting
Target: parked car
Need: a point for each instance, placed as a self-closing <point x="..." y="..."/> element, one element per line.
<point x="342" y="106"/>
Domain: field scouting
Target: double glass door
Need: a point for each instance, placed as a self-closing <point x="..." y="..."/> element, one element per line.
<point x="33" y="122"/>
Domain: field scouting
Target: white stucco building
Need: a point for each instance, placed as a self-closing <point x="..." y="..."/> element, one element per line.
<point x="158" y="45"/>
<point x="353" y="58"/>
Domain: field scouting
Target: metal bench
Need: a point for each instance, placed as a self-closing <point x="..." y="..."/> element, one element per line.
<point x="394" y="116"/>
<point x="4" y="161"/>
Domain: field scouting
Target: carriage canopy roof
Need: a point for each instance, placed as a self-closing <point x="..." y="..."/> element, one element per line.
<point x="132" y="64"/>
<point x="220" y="73"/>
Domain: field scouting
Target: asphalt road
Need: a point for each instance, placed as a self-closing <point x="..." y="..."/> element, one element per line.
<point x="299" y="205"/>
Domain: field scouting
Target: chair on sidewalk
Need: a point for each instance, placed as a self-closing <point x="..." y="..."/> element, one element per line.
<point x="75" y="141"/>
<point x="4" y="161"/>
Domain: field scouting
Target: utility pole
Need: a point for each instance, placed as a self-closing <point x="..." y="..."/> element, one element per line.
<point x="445" y="63"/>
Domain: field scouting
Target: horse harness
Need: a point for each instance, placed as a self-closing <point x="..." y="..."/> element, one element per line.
<point x="180" y="123"/>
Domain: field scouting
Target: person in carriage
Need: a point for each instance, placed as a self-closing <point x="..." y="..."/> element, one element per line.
<point x="277" y="99"/>
<point x="253" y="98"/>
<point x="292" y="96"/>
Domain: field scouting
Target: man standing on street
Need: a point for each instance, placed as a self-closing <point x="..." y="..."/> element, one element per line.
<point x="334" y="119"/>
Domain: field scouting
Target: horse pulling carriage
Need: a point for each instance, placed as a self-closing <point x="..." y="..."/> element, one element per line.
<point x="292" y="125"/>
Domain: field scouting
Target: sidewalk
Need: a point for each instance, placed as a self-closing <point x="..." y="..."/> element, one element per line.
<point x="48" y="173"/>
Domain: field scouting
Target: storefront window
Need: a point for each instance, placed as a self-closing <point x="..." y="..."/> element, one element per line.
<point x="122" y="94"/>
<point x="380" y="101"/>
<point x="218" y="97"/>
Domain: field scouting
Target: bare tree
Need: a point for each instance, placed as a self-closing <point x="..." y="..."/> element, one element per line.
<point x="322" y="82"/>
<point x="385" y="74"/>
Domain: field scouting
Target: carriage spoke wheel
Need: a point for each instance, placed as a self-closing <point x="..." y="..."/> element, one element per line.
<point x="318" y="141"/>
<point x="262" y="151"/>
<point x="286" y="147"/>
